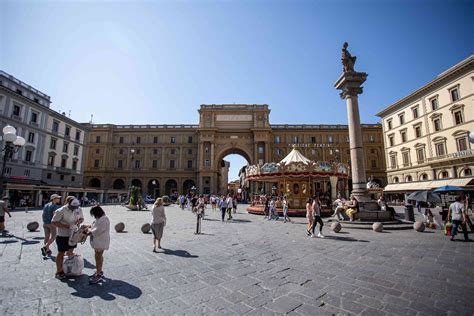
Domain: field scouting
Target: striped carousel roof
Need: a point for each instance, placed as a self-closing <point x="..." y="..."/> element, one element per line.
<point x="294" y="156"/>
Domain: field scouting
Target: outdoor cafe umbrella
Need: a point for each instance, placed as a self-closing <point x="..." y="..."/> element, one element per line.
<point x="424" y="196"/>
<point x="448" y="188"/>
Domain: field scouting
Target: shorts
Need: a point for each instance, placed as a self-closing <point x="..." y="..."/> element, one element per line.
<point x="157" y="230"/>
<point x="2" y="219"/>
<point x="63" y="244"/>
<point x="50" y="229"/>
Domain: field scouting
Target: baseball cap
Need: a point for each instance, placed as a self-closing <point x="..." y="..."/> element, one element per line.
<point x="75" y="202"/>
<point x="54" y="196"/>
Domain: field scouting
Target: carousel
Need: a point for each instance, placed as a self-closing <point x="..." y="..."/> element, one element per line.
<point x="297" y="178"/>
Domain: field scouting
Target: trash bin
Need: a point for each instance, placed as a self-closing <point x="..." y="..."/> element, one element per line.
<point x="409" y="215"/>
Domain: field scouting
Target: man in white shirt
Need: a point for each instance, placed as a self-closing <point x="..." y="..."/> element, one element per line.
<point x="458" y="215"/>
<point x="66" y="219"/>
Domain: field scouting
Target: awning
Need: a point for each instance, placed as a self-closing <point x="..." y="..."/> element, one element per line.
<point x="427" y="185"/>
<point x="462" y="182"/>
<point x="438" y="183"/>
<point x="407" y="186"/>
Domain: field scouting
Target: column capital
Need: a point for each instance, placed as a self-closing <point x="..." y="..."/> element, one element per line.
<point x="350" y="92"/>
<point x="350" y="83"/>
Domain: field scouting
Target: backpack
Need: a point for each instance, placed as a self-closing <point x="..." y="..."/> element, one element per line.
<point x="73" y="265"/>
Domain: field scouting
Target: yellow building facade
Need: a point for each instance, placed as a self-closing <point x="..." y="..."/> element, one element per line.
<point x="168" y="159"/>
<point x="426" y="134"/>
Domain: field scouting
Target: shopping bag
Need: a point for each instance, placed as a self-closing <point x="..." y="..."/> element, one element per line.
<point x="447" y="229"/>
<point x="73" y="265"/>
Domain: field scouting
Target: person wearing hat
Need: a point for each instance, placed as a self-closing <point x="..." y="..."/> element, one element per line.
<point x="66" y="219"/>
<point x="49" y="229"/>
<point x="3" y="210"/>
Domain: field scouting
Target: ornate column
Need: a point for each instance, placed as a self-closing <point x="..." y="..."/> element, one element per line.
<point x="350" y="82"/>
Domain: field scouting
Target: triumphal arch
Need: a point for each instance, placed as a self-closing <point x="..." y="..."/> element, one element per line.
<point x="170" y="159"/>
<point x="231" y="129"/>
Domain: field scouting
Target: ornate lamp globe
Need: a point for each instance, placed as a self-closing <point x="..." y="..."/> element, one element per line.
<point x="9" y="130"/>
<point x="19" y="141"/>
<point x="471" y="137"/>
<point x="9" y="137"/>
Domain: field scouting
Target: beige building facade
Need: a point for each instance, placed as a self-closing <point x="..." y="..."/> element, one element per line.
<point x="426" y="134"/>
<point x="167" y="159"/>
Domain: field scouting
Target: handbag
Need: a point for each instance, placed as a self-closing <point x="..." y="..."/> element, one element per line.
<point x="78" y="236"/>
<point x="447" y="229"/>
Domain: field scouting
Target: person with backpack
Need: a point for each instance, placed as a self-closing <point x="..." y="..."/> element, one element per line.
<point x="66" y="219"/>
<point x="49" y="229"/>
<point x="457" y="213"/>
<point x="99" y="233"/>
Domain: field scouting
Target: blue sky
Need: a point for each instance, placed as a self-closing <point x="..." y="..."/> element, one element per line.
<point x="155" y="62"/>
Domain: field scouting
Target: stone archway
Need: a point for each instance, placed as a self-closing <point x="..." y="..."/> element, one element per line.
<point x="187" y="185"/>
<point x="223" y="167"/>
<point x="137" y="183"/>
<point x="118" y="184"/>
<point x="171" y="186"/>
<point x="94" y="183"/>
<point x="153" y="188"/>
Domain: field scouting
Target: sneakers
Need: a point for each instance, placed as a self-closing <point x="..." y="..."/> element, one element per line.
<point x="60" y="275"/>
<point x="320" y="235"/>
<point x="313" y="236"/>
<point x="308" y="232"/>
<point x="96" y="279"/>
<point x="93" y="275"/>
<point x="43" y="251"/>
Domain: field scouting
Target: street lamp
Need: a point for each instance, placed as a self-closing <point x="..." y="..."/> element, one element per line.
<point x="12" y="144"/>
<point x="471" y="137"/>
<point x="132" y="152"/>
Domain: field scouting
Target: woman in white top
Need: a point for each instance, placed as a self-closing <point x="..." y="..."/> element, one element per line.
<point x="158" y="222"/>
<point x="99" y="234"/>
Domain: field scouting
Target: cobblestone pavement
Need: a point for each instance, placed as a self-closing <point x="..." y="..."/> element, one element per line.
<point x="245" y="266"/>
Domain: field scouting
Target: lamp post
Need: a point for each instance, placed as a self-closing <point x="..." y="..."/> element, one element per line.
<point x="12" y="143"/>
<point x="132" y="153"/>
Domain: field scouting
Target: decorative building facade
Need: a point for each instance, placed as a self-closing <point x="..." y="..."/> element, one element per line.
<point x="168" y="159"/>
<point x="426" y="134"/>
<point x="51" y="160"/>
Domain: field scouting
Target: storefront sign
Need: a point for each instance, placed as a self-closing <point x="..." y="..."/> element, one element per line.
<point x="310" y="145"/>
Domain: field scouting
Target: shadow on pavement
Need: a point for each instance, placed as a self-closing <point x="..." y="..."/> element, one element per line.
<point x="24" y="241"/>
<point x="38" y="238"/>
<point x="106" y="290"/>
<point x="240" y="221"/>
<point x="345" y="239"/>
<point x="211" y="219"/>
<point x="179" y="253"/>
<point x="88" y="264"/>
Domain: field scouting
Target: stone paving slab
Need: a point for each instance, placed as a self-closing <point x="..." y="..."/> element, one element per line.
<point x="247" y="266"/>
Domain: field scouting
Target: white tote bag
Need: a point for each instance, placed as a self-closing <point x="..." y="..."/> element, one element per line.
<point x="73" y="265"/>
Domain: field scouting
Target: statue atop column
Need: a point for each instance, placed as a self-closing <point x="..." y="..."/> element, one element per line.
<point x="348" y="61"/>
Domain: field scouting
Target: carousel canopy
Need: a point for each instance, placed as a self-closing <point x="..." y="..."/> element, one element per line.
<point x="295" y="165"/>
<point x="294" y="156"/>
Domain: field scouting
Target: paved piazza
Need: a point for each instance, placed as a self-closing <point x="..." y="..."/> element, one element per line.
<point x="247" y="266"/>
